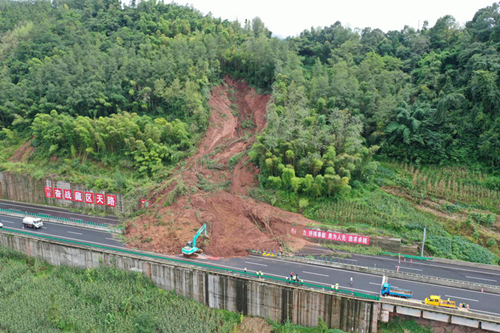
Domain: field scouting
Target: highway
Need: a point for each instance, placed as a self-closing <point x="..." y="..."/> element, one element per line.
<point x="80" y="234"/>
<point x="56" y="211"/>
<point x="484" y="303"/>
<point x="429" y="267"/>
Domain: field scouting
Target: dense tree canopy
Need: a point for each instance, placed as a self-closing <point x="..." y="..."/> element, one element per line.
<point x="93" y="79"/>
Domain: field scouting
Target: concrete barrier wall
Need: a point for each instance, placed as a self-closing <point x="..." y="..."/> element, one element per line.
<point x="214" y="289"/>
<point x="25" y="188"/>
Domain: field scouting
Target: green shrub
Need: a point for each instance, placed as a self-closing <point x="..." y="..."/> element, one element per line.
<point x="491" y="242"/>
<point x="439" y="246"/>
<point x="463" y="249"/>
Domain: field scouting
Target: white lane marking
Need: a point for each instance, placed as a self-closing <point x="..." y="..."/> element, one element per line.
<point x="51" y="210"/>
<point x="376" y="284"/>
<point x="44" y="228"/>
<point x="379" y="275"/>
<point x="283" y="277"/>
<point x="493" y="313"/>
<point x="72" y="232"/>
<point x="348" y="259"/>
<point x="254" y="263"/>
<point x="110" y="239"/>
<point x="445" y="287"/>
<point x="413" y="269"/>
<point x="469" y="299"/>
<point x="306" y="272"/>
<point x="77" y="239"/>
<point x="7" y="221"/>
<point x="478" y="278"/>
<point x="326" y="267"/>
<point x="71" y="227"/>
<point x="77" y="227"/>
<point x="430" y="264"/>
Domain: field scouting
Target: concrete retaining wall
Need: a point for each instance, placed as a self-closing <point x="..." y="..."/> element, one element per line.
<point x="25" y="188"/>
<point x="217" y="290"/>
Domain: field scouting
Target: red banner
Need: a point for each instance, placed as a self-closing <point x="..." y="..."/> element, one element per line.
<point x="89" y="197"/>
<point x="68" y="195"/>
<point x="144" y="203"/>
<point x="58" y="193"/>
<point x="111" y="200"/>
<point x="99" y="199"/>
<point x="335" y="236"/>
<point x="48" y="192"/>
<point x="78" y="196"/>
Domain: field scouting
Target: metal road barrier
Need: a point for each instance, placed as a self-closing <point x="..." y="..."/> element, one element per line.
<point x="337" y="263"/>
<point x="406" y="256"/>
<point x="209" y="267"/>
<point x="108" y="227"/>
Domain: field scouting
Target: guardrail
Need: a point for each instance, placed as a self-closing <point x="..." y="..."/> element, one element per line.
<point x="406" y="256"/>
<point x="386" y="272"/>
<point x="242" y="273"/>
<point x="64" y="220"/>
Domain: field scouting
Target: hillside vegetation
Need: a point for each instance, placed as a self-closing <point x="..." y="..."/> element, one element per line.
<point x="380" y="132"/>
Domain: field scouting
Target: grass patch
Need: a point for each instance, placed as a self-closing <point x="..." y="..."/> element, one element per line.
<point x="96" y="300"/>
<point x="397" y="325"/>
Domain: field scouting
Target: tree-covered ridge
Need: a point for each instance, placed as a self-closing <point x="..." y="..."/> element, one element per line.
<point x="79" y="75"/>
<point x="428" y="95"/>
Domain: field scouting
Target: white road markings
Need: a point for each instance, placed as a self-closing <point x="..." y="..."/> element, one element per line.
<point x="110" y="239"/>
<point x="306" y="272"/>
<point x="7" y="221"/>
<point x="254" y="263"/>
<point x="376" y="284"/>
<point x="491" y="313"/>
<point x="76" y="233"/>
<point x="468" y="299"/>
<point x="413" y="269"/>
<point x="478" y="278"/>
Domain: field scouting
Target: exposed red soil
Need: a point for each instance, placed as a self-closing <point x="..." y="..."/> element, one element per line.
<point x="23" y="153"/>
<point x="214" y="192"/>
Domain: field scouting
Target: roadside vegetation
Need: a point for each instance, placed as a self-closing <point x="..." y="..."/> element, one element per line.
<point x="397" y="204"/>
<point x="64" y="299"/>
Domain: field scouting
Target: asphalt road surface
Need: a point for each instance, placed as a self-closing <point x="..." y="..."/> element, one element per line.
<point x="65" y="231"/>
<point x="484" y="303"/>
<point x="56" y="211"/>
<point x="428" y="267"/>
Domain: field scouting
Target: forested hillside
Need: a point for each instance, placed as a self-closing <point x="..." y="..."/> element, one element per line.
<point x="426" y="96"/>
<point x="116" y="96"/>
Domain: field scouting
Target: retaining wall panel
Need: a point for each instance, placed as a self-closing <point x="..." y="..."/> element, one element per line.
<point x="222" y="291"/>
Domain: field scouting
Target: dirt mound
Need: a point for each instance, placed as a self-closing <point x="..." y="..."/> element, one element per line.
<point x="211" y="188"/>
<point x="255" y="325"/>
<point x="23" y="153"/>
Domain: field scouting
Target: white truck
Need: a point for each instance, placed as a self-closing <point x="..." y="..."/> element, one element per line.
<point x="33" y="222"/>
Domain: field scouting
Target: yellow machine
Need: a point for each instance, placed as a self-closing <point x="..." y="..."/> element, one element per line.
<point x="437" y="301"/>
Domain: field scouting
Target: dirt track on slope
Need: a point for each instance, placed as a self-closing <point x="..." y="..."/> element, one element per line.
<point x="211" y="191"/>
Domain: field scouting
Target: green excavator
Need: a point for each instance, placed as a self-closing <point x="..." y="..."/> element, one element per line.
<point x="190" y="250"/>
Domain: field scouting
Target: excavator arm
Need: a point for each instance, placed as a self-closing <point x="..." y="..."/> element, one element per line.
<point x="202" y="229"/>
<point x="190" y="249"/>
